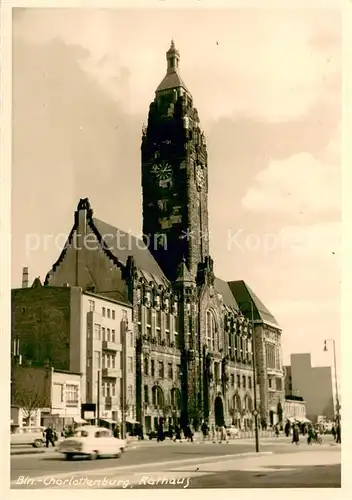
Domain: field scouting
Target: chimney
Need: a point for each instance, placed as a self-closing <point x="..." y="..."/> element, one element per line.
<point x="25" y="277"/>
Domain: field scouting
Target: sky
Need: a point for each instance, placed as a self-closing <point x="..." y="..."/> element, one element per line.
<point x="267" y="85"/>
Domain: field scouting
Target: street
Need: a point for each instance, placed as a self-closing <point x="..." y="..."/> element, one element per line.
<point x="188" y="465"/>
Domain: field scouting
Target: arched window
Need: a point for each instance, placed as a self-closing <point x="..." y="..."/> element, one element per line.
<point x="157" y="396"/>
<point x="248" y="403"/>
<point x="176" y="398"/>
<point x="237" y="402"/>
<point x="211" y="331"/>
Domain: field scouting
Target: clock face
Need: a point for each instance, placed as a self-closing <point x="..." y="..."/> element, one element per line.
<point x="162" y="171"/>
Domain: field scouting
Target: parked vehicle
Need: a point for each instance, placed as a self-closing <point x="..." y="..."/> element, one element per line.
<point x="93" y="442"/>
<point x="232" y="432"/>
<point x="32" y="436"/>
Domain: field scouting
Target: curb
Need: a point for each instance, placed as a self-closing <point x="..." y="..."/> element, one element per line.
<point x="26" y="452"/>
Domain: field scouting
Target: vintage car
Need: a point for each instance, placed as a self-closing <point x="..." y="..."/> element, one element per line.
<point x="33" y="436"/>
<point x="93" y="442"/>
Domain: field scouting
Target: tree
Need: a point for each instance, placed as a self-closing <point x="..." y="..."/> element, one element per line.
<point x="31" y="389"/>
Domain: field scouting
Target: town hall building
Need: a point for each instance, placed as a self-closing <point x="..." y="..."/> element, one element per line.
<point x="194" y="336"/>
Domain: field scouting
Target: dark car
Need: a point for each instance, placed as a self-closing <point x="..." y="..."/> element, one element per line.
<point x="154" y="434"/>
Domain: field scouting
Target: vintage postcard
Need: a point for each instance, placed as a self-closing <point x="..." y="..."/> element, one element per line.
<point x="176" y="198"/>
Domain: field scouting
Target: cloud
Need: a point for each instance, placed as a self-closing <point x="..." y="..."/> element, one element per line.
<point x="271" y="64"/>
<point x="300" y="184"/>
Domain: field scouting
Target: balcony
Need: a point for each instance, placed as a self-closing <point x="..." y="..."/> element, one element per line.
<point x="111" y="373"/>
<point x="110" y="346"/>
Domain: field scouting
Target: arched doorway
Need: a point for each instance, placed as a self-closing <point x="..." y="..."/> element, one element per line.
<point x="219" y="412"/>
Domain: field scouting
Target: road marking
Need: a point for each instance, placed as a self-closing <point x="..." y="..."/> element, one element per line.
<point x="145" y="466"/>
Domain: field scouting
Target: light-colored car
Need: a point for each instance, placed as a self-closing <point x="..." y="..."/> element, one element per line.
<point x="232" y="432"/>
<point x="93" y="442"/>
<point x="33" y="436"/>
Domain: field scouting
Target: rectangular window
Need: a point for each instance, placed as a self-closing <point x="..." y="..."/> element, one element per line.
<point x="270" y="383"/>
<point x="168" y="339"/>
<point x="176" y="324"/>
<point x="249" y="382"/>
<point x="124" y="315"/>
<point x="108" y="335"/>
<point x="97" y="332"/>
<point x="103" y="332"/>
<point x="167" y="325"/>
<point x="130" y="337"/>
<point x="108" y="357"/>
<point x="103" y="389"/>
<point x="103" y="310"/>
<point x="279" y="384"/>
<point x="158" y="319"/>
<point x="108" y="313"/>
<point x="130" y="364"/>
<point x="149" y="317"/>
<point x="161" y="369"/>
<point x="113" y="359"/>
<point x="91" y="305"/>
<point x="130" y="394"/>
<point x="58" y="394"/>
<point x="72" y="394"/>
<point x="103" y="361"/>
<point x="152" y="368"/>
<point x="178" y="372"/>
<point x="113" y="336"/>
<point x="113" y="389"/>
<point x="232" y="380"/>
<point x="140" y="314"/>
<point x="170" y="371"/>
<point x="243" y="381"/>
<point x="238" y="381"/>
<point x="113" y="313"/>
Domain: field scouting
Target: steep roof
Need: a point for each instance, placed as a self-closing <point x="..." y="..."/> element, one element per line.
<point x="172" y="81"/>
<point x="183" y="274"/>
<point x="243" y="294"/>
<point x="123" y="245"/>
<point x="222" y="287"/>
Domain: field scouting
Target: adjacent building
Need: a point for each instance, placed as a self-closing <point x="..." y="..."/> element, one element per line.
<point x="193" y="344"/>
<point x="295" y="408"/>
<point x="268" y="333"/>
<point x="43" y="396"/>
<point x="313" y="384"/>
<point x="79" y="332"/>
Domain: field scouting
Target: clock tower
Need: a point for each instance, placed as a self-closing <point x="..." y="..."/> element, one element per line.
<point x="175" y="176"/>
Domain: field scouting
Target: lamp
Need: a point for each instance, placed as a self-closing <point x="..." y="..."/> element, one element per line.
<point x="337" y="415"/>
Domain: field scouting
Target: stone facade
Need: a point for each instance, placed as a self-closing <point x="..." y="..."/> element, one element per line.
<point x="193" y="344"/>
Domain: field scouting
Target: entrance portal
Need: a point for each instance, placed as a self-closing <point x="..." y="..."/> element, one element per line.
<point x="219" y="412"/>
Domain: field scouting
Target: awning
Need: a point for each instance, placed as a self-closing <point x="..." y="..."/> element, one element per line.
<point x="79" y="420"/>
<point x="108" y="420"/>
<point x="131" y="421"/>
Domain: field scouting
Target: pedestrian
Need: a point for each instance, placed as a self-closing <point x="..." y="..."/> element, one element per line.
<point x="189" y="434"/>
<point x="333" y="431"/>
<point x="295" y="434"/>
<point x="161" y="435"/>
<point x="178" y="436"/>
<point x="205" y="430"/>
<point x="49" y="437"/>
<point x="213" y="436"/>
<point x="287" y="428"/>
<point x="310" y="437"/>
<point x="338" y="433"/>
<point x="277" y="430"/>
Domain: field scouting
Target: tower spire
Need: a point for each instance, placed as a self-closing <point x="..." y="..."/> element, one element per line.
<point x="173" y="58"/>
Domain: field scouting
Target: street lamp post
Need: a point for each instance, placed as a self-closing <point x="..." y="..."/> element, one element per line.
<point x="255" y="412"/>
<point x="336" y="389"/>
